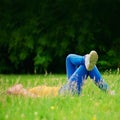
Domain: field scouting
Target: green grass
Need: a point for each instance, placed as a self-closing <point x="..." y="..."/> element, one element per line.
<point x="93" y="104"/>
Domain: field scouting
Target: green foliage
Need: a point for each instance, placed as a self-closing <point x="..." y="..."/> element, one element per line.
<point x="33" y="34"/>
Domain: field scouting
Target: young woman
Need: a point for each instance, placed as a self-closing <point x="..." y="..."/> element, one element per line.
<point x="78" y="68"/>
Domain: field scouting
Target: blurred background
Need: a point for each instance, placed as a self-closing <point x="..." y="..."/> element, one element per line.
<point x="37" y="35"/>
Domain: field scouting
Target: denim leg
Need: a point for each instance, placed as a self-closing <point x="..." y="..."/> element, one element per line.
<point x="96" y="76"/>
<point x="73" y="61"/>
<point x="78" y="78"/>
<point x="75" y="82"/>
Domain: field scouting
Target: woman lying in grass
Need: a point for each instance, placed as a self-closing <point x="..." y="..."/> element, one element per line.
<point x="78" y="68"/>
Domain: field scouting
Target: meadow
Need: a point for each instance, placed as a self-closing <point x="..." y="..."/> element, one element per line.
<point x="92" y="104"/>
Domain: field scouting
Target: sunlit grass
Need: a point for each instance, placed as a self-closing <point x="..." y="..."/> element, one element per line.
<point x="93" y="104"/>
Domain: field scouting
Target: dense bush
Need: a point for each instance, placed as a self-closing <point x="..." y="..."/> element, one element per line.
<point x="36" y="35"/>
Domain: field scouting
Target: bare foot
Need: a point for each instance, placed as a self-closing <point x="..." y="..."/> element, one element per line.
<point x="112" y="92"/>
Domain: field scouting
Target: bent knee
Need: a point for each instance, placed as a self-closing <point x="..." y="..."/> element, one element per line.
<point x="69" y="56"/>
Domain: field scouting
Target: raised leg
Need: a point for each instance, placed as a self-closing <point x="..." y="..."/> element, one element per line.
<point x="73" y="61"/>
<point x="96" y="76"/>
<point x="76" y="73"/>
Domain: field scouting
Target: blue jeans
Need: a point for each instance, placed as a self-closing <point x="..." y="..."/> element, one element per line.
<point x="77" y="73"/>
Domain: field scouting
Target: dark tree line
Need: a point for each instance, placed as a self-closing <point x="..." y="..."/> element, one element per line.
<point x="37" y="35"/>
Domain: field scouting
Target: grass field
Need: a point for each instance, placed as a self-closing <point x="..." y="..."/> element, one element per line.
<point x="93" y="104"/>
